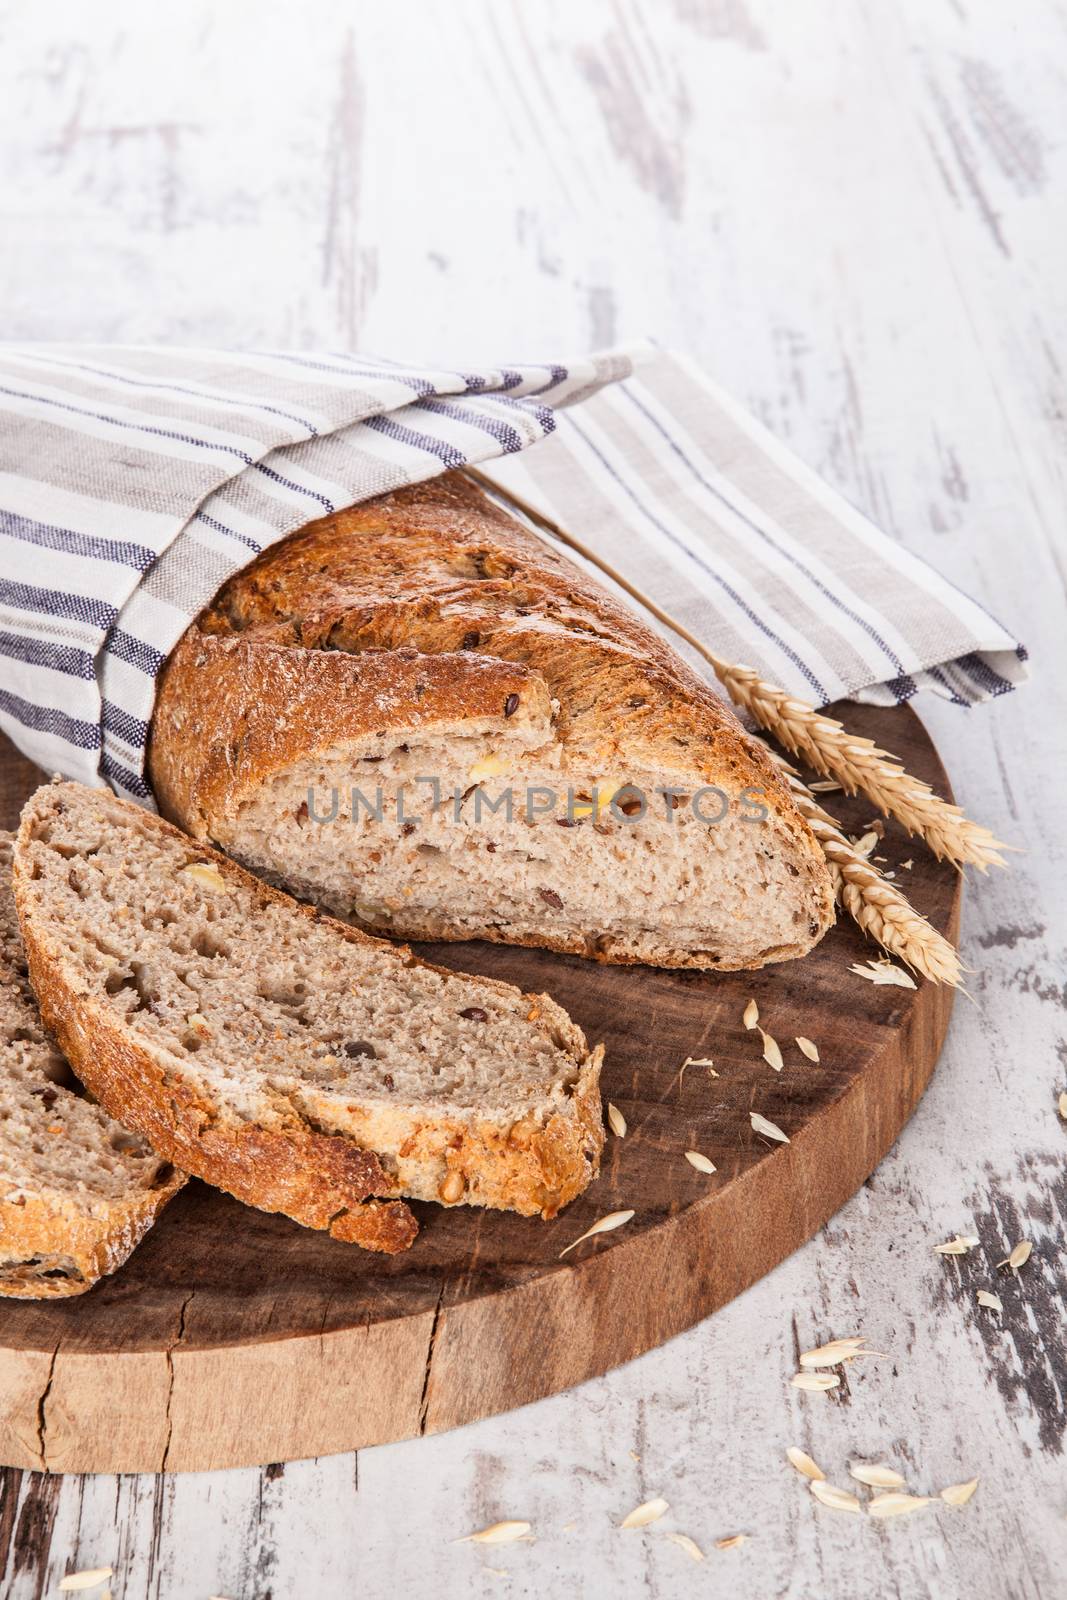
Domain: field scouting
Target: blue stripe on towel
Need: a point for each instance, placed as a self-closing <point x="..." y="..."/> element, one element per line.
<point x="48" y="536"/>
<point x="47" y="719"/>
<point x="57" y="603"/>
<point x="63" y="658"/>
<point x="446" y="453"/>
<point x="698" y="561"/>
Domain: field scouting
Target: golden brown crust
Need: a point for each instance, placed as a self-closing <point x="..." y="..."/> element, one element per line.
<point x="323" y="1180"/>
<point x="251" y="706"/>
<point x="50" y="1251"/>
<point x="432" y="604"/>
<point x="534" y="1166"/>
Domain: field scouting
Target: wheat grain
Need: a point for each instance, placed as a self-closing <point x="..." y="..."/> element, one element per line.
<point x="496" y="1533"/>
<point x="1062" y="1103"/>
<point x="837" y="1499"/>
<point x="875" y="1474"/>
<point x="958" y="1494"/>
<point x="1020" y="1255"/>
<point x="883" y="972"/>
<point x="807" y="1048"/>
<point x="697" y="1061"/>
<point x="206" y="874"/>
<point x="614" y="1219"/>
<point x="616" y="1121"/>
<point x="642" y="1515"/>
<point x="734" y="1542"/>
<point x="829" y="1355"/>
<point x="769" y="1129"/>
<point x="895" y="1504"/>
<point x="815" y="1381"/>
<point x="690" y="1546"/>
<point x="803" y="1463"/>
<point x="993" y="1301"/>
<point x="771" y="1052"/>
<point x="701" y="1162"/>
<point x="751" y="1015"/>
<point x="958" y="1246"/>
<point x="91" y="1578"/>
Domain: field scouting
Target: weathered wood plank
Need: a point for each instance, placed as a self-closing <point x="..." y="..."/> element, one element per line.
<point x="854" y="216"/>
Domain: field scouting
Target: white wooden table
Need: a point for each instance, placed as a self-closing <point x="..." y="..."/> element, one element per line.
<point x="854" y="214"/>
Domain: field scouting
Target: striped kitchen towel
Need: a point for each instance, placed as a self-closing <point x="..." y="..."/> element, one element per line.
<point x="671" y="482"/>
<point x="134" y="481"/>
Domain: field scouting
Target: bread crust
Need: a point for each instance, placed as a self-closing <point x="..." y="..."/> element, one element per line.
<point x="534" y="1166"/>
<point x="429" y="605"/>
<point x="78" y="1246"/>
<point x="250" y="706"/>
<point x="324" y="1180"/>
<point x="55" y="1244"/>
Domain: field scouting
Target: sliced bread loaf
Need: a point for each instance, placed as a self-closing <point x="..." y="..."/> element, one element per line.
<point x="77" y="1190"/>
<point x="285" y="1057"/>
<point x="402" y="668"/>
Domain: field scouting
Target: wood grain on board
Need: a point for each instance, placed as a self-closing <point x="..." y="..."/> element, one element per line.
<point x="234" y="1337"/>
<point x="852" y="217"/>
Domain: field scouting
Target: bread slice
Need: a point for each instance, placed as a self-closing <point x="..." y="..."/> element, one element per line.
<point x="77" y="1191"/>
<point x="427" y="636"/>
<point x="285" y="1057"/>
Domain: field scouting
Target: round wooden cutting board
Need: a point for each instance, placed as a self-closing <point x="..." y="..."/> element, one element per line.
<point x="232" y="1337"/>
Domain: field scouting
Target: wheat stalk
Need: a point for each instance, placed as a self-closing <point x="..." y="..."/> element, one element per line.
<point x="872" y="902"/>
<point x="859" y="764"/>
<point x="856" y="763"/>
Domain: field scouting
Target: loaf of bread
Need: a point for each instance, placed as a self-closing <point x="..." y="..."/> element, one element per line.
<point x="280" y="1055"/>
<point x="401" y="668"/>
<point x="77" y="1190"/>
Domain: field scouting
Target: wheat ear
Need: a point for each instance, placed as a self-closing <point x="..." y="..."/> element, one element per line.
<point x="859" y="764"/>
<point x="856" y="763"/>
<point x="879" y="909"/>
